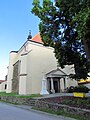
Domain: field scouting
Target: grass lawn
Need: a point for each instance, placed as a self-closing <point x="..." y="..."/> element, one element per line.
<point x="19" y="96"/>
<point x="29" y="96"/>
<point x="7" y="94"/>
<point x="78" y="102"/>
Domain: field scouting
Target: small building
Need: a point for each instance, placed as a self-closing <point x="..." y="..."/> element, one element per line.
<point x="58" y="80"/>
<point x="3" y="85"/>
<point x="30" y="63"/>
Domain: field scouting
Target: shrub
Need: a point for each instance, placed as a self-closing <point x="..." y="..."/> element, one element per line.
<point x="81" y="88"/>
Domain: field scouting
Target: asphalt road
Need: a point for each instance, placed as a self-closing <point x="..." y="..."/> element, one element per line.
<point x="11" y="112"/>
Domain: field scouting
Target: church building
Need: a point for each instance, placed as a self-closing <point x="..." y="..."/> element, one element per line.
<point x="33" y="69"/>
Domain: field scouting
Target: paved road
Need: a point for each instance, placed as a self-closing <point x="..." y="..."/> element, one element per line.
<point x="11" y="112"/>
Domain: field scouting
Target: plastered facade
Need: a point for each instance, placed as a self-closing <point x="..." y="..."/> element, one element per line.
<point x="34" y="61"/>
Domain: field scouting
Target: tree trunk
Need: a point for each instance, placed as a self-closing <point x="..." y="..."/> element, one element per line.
<point x="87" y="49"/>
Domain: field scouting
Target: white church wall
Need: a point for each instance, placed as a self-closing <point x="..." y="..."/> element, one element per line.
<point x="40" y="60"/>
<point x="10" y="71"/>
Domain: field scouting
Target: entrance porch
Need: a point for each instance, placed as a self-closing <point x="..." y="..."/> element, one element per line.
<point x="56" y="85"/>
<point x="56" y="81"/>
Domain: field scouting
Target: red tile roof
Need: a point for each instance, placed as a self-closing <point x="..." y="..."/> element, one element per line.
<point x="2" y="81"/>
<point x="37" y="38"/>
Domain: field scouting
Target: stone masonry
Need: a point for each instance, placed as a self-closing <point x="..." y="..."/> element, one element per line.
<point x="15" y="81"/>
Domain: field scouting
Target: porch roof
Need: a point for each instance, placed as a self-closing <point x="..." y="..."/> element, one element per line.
<point x="56" y="73"/>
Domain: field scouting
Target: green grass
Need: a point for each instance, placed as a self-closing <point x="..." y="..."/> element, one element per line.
<point x="29" y="96"/>
<point x="62" y="113"/>
<point x="7" y="94"/>
<point x="19" y="96"/>
<point x="84" y="102"/>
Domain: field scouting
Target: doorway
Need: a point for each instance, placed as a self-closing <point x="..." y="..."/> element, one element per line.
<point x="56" y="83"/>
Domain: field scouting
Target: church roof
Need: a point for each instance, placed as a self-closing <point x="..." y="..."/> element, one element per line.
<point x="2" y="81"/>
<point x="37" y="38"/>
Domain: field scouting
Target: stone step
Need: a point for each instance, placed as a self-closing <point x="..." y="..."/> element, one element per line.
<point x="32" y="102"/>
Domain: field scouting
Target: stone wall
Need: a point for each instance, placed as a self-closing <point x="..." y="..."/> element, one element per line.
<point x="15" y="80"/>
<point x="39" y="103"/>
<point x="57" y="107"/>
<point x="18" y="100"/>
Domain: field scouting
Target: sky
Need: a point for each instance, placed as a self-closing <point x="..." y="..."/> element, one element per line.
<point x="16" y="20"/>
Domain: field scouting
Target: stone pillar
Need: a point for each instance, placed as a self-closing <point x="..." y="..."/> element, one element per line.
<point x="52" y="86"/>
<point x="60" y="84"/>
<point x="64" y="81"/>
<point x="44" y="87"/>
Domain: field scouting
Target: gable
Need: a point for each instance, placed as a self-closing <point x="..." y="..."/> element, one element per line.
<point x="56" y="73"/>
<point x="37" y="38"/>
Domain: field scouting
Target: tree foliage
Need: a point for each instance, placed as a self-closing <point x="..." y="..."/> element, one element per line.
<point x="60" y="28"/>
<point x="82" y="18"/>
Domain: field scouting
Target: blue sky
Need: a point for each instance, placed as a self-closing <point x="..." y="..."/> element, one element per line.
<point x="16" y="20"/>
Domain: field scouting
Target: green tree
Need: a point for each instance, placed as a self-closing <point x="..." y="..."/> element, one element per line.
<point x="82" y="18"/>
<point x="59" y="29"/>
